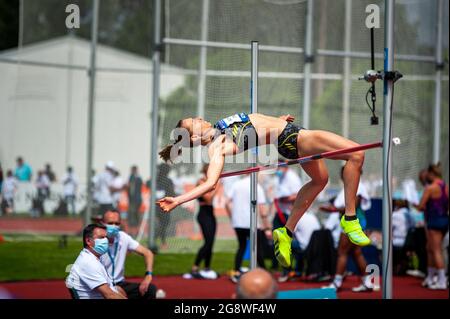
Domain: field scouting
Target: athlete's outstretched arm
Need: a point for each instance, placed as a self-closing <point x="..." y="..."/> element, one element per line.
<point x="216" y="152"/>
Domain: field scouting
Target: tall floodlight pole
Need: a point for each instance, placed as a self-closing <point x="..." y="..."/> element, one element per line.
<point x="91" y="111"/>
<point x="309" y="59"/>
<point x="387" y="148"/>
<point x="254" y="176"/>
<point x="202" y="72"/>
<point x="154" y="125"/>
<point x="347" y="70"/>
<point x="438" y="84"/>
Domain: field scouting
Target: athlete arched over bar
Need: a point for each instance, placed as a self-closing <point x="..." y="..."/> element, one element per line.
<point x="230" y="136"/>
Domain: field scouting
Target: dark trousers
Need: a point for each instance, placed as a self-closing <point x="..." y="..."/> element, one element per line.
<point x="163" y="223"/>
<point x="299" y="256"/>
<point x="208" y="224"/>
<point x="416" y="241"/>
<point x="400" y="261"/>
<point x="133" y="212"/>
<point x="243" y="234"/>
<point x="132" y="290"/>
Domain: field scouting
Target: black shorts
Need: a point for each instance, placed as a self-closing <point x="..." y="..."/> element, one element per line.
<point x="287" y="141"/>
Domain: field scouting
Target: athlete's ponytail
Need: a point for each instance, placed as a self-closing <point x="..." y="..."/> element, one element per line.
<point x="166" y="152"/>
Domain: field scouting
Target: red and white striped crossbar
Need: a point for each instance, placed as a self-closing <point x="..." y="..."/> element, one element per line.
<point x="304" y="159"/>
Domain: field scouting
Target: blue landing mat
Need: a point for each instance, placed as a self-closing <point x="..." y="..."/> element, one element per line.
<point x="326" y="293"/>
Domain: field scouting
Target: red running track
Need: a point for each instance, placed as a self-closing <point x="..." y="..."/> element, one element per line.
<point x="178" y="288"/>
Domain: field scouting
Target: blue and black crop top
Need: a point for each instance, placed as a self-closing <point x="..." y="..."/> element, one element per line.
<point x="240" y="129"/>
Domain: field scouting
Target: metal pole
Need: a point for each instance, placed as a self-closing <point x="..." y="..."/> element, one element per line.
<point x="294" y="50"/>
<point x="154" y="128"/>
<point x="202" y="76"/>
<point x="253" y="176"/>
<point x="387" y="149"/>
<point x="347" y="70"/>
<point x="438" y="84"/>
<point x="203" y="56"/>
<point x="308" y="64"/>
<point x="69" y="104"/>
<point x="91" y="111"/>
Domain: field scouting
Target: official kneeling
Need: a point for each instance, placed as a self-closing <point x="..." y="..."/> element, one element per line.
<point x="88" y="278"/>
<point x="120" y="243"/>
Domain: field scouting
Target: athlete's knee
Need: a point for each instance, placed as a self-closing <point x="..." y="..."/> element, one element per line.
<point x="321" y="180"/>
<point x="358" y="158"/>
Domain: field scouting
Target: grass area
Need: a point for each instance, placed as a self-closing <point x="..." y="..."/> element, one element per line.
<point x="22" y="259"/>
<point x="176" y="244"/>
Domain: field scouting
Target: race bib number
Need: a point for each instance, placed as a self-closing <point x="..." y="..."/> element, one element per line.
<point x="236" y="118"/>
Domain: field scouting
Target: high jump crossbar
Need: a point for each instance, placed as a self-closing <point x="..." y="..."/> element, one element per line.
<point x="303" y="160"/>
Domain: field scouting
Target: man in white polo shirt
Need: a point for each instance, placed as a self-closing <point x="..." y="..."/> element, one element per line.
<point x="88" y="278"/>
<point x="238" y="208"/>
<point x="120" y="243"/>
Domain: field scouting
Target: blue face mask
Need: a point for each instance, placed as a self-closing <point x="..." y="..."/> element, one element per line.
<point x="112" y="230"/>
<point x="279" y="174"/>
<point x="101" y="245"/>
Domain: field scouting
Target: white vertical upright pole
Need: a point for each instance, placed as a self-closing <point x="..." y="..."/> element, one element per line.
<point x="387" y="148"/>
<point x="308" y="64"/>
<point x="201" y="89"/>
<point x="91" y="111"/>
<point x="254" y="176"/>
<point x="438" y="84"/>
<point x="154" y="125"/>
<point x="69" y="103"/>
<point x="203" y="59"/>
<point x="346" y="82"/>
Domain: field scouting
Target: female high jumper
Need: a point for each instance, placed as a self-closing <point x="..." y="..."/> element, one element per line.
<point x="231" y="136"/>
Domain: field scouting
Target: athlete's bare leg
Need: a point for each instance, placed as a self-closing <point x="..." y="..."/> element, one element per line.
<point x="310" y="142"/>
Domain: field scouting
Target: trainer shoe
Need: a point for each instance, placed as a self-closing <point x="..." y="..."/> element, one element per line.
<point x="438" y="286"/>
<point x="160" y="294"/>
<point x="415" y="273"/>
<point x="287" y="276"/>
<point x="209" y="274"/>
<point x="428" y="282"/>
<point x="362" y="288"/>
<point x="333" y="285"/>
<point x="282" y="244"/>
<point x="354" y="232"/>
<point x="235" y="276"/>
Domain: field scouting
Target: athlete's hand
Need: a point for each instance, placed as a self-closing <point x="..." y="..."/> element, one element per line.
<point x="167" y="204"/>
<point x="288" y="118"/>
<point x="143" y="287"/>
